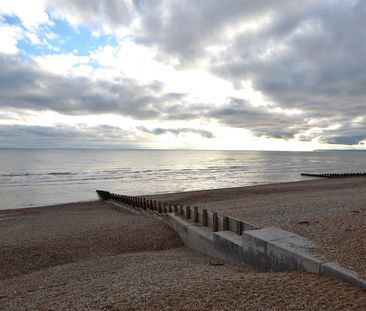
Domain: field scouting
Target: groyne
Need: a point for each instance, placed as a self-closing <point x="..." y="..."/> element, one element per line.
<point x="334" y="175"/>
<point x="235" y="240"/>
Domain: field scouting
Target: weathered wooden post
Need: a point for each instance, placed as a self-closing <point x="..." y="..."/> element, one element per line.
<point x="188" y="212"/>
<point x="225" y="223"/>
<point x="175" y="208"/>
<point x="239" y="227"/>
<point x="181" y="210"/>
<point x="159" y="208"/>
<point x="204" y="218"/>
<point x="215" y="222"/>
<point x="195" y="214"/>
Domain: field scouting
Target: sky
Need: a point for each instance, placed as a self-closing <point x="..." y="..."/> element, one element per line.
<point x="194" y="74"/>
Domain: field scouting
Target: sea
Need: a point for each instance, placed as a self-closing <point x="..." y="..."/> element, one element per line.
<point x="41" y="177"/>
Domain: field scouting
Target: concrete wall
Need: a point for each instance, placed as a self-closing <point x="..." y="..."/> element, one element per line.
<point x="194" y="236"/>
<point x="265" y="249"/>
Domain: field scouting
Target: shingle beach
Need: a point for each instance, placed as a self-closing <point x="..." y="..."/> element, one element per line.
<point x="87" y="256"/>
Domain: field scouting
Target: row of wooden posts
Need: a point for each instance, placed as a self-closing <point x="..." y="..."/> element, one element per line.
<point x="334" y="175"/>
<point x="205" y="218"/>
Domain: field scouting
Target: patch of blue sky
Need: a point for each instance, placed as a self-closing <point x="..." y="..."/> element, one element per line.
<point x="30" y="49"/>
<point x="62" y="38"/>
<point x="11" y="20"/>
<point x="80" y="39"/>
<point x="24" y="43"/>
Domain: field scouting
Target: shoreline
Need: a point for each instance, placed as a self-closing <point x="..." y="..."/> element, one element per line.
<point x="163" y="194"/>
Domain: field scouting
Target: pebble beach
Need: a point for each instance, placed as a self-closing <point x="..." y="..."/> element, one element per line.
<point x="88" y="256"/>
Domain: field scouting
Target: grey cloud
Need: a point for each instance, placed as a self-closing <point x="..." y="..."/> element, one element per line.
<point x="184" y="28"/>
<point x="260" y="120"/>
<point x="320" y="68"/>
<point x="347" y="134"/>
<point x="95" y="13"/>
<point x="176" y="131"/>
<point x="26" y="86"/>
<point x="344" y="140"/>
<point x="66" y="136"/>
<point x="317" y="62"/>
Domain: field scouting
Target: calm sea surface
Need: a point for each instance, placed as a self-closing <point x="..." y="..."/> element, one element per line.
<point x="36" y="177"/>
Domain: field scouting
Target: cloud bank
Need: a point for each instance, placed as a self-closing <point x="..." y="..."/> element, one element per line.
<point x="279" y="70"/>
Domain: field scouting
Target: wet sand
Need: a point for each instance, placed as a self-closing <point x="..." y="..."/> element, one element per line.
<point x="88" y="256"/>
<point x="330" y="212"/>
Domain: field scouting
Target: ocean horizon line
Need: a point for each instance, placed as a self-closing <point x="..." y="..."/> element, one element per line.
<point x="172" y="149"/>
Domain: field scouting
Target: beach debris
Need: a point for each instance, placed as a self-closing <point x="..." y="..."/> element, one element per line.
<point x="304" y="222"/>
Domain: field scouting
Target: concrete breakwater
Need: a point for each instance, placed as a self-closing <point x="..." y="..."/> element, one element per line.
<point x="240" y="242"/>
